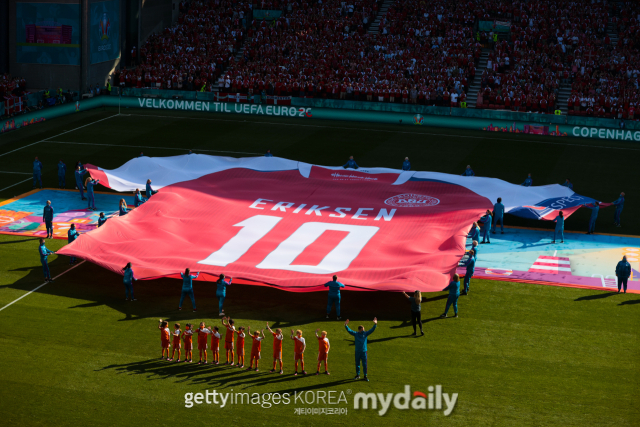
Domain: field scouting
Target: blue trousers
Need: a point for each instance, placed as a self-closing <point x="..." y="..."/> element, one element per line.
<point x="333" y="300"/>
<point x="45" y="269"/>
<point x="486" y="233"/>
<point x="560" y="233"/>
<point x="495" y="224"/>
<point x="190" y="295"/>
<point x="92" y="200"/>
<point x="128" y="289"/>
<point x="72" y="260"/>
<point x="361" y="356"/>
<point x="453" y="299"/>
<point x="221" y="299"/>
<point x="592" y="225"/>
<point x="622" y="281"/>
<point x="616" y="217"/>
<point x="49" y="226"/>
<point x="467" y="279"/>
<point x="81" y="188"/>
<point x="37" y="179"/>
<point x="61" y="181"/>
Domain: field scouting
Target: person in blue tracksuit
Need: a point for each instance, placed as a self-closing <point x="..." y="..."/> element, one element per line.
<point x="141" y="154"/>
<point x="468" y="171"/>
<point x="474" y="233"/>
<point x="62" y="174"/>
<point x="187" y="287"/>
<point x="474" y="248"/>
<point x="351" y="164"/>
<point x="268" y="154"/>
<point x="595" y="208"/>
<point x="37" y="173"/>
<point x="122" y="210"/>
<point x="454" y="294"/>
<point x="90" y="183"/>
<point x="406" y="165"/>
<point x="138" y="199"/>
<point x="102" y="219"/>
<point x="623" y="271"/>
<point x="79" y="174"/>
<point x="470" y="264"/>
<point x="619" y="205"/>
<point x="47" y="218"/>
<point x="568" y="184"/>
<point x="498" y="215"/>
<point x="527" y="182"/>
<point x="44" y="254"/>
<point x="72" y="235"/>
<point x="486" y="230"/>
<point x="128" y="278"/>
<point x="559" y="220"/>
<point x="190" y="152"/>
<point x="334" y="295"/>
<point x="360" y="340"/>
<point x="149" y="191"/>
<point x="221" y="292"/>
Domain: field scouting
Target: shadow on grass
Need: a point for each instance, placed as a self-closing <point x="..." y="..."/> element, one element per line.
<point x="89" y="286"/>
<point x="630" y="302"/>
<point x="597" y="296"/>
<point x="19" y="241"/>
<point x="218" y="376"/>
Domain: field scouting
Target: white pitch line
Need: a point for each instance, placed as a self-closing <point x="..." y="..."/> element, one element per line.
<point x="155" y="148"/>
<point x="389" y="131"/>
<point x="33" y="290"/>
<point x="6" y="188"/>
<point x="18" y="173"/>
<point x="38" y="142"/>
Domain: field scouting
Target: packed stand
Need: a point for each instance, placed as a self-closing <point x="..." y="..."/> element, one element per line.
<point x="192" y="54"/>
<point x="12" y="92"/>
<point x="564" y="42"/>
<point x="419" y="57"/>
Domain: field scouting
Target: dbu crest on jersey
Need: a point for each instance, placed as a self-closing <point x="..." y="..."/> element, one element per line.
<point x="411" y="201"/>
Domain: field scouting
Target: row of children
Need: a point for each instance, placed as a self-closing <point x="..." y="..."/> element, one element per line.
<point x="232" y="347"/>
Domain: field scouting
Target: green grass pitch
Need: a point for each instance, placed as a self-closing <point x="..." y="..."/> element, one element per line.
<point x="75" y="353"/>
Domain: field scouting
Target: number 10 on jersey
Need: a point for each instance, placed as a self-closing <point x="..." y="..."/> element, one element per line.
<point x="255" y="228"/>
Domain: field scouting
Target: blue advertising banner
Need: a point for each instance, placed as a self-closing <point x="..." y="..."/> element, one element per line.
<point x="104" y="31"/>
<point x="48" y="33"/>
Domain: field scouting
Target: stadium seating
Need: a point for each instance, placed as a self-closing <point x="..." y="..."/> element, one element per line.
<point x="425" y="52"/>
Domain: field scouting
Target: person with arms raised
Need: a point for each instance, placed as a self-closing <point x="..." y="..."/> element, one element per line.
<point x="334" y="295"/>
<point x="619" y="205"/>
<point x="187" y="287"/>
<point x="360" y="339"/>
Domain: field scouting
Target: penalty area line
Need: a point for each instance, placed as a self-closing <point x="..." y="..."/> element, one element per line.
<point x="60" y="134"/>
<point x="387" y="131"/>
<point x="33" y="290"/>
<point x="6" y="188"/>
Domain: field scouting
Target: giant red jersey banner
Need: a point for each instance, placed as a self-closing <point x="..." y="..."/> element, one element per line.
<point x="292" y="225"/>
